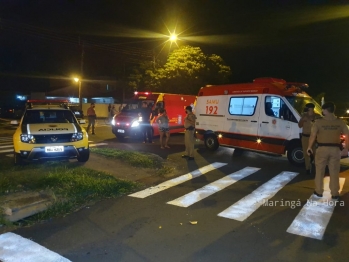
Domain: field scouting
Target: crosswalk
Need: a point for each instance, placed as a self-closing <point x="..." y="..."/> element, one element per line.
<point x="6" y="145"/>
<point x="311" y="221"/>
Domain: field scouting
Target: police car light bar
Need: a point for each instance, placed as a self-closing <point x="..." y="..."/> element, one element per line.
<point x="47" y="102"/>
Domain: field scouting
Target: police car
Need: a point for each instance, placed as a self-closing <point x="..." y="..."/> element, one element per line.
<point x="49" y="130"/>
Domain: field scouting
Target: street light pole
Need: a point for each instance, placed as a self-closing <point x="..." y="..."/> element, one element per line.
<point x="80" y="101"/>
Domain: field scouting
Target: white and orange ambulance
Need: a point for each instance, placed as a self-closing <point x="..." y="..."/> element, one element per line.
<point x="261" y="116"/>
<point x="128" y="123"/>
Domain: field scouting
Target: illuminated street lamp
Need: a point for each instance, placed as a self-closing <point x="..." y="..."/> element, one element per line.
<point x="77" y="80"/>
<point x="173" y="37"/>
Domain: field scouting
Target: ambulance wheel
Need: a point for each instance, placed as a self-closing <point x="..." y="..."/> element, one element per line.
<point x="18" y="159"/>
<point x="84" y="156"/>
<point x="211" y="142"/>
<point x="295" y="155"/>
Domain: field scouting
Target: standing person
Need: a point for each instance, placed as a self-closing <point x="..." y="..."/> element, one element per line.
<point x="327" y="132"/>
<point x="163" y="127"/>
<point x="146" y="113"/>
<point x="306" y="122"/>
<point x="189" y="140"/>
<point x="112" y="112"/>
<point x="91" y="114"/>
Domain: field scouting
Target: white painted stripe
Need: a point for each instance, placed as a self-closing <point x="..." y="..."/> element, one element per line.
<point x="315" y="215"/>
<point x="98" y="144"/>
<point x="28" y="129"/>
<point x="247" y="205"/>
<point x="6" y="138"/>
<point x="6" y="146"/>
<point x="212" y="188"/>
<point x="6" y="150"/>
<point x="6" y="143"/>
<point x="9" y="155"/>
<point x="16" y="248"/>
<point x="176" y="181"/>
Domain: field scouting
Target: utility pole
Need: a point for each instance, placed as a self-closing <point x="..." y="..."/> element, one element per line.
<point x="81" y="71"/>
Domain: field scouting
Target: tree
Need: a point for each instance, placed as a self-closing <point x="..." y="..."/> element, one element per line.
<point x="187" y="69"/>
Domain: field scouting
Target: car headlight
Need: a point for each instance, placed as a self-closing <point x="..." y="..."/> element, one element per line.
<point x="113" y="122"/>
<point x="77" y="136"/>
<point x="25" y="138"/>
<point x="135" y="123"/>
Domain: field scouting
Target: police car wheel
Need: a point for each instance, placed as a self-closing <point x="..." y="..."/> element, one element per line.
<point x="84" y="156"/>
<point x="18" y="159"/>
<point x="295" y="155"/>
<point x="211" y="142"/>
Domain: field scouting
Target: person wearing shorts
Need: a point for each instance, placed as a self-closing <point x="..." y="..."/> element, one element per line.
<point x="163" y="120"/>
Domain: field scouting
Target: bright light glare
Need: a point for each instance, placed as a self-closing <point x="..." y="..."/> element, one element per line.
<point x="76" y="79"/>
<point x="173" y="37"/>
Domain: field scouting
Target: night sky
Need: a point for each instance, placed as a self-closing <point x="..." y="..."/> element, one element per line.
<point x="305" y="41"/>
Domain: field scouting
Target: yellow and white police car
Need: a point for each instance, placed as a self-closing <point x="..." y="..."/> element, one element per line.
<point x="49" y="130"/>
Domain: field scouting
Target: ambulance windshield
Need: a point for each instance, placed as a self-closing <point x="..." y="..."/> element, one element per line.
<point x="299" y="103"/>
<point x="135" y="104"/>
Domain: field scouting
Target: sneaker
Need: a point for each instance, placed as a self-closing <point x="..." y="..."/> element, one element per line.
<point x="335" y="197"/>
<point x="167" y="147"/>
<point x="316" y="194"/>
<point x="144" y="142"/>
<point x="184" y="156"/>
<point x="190" y="158"/>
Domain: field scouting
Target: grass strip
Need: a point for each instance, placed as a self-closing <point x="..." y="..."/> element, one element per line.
<point x="133" y="158"/>
<point x="72" y="186"/>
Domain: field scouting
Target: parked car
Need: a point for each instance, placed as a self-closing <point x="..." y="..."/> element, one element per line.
<point x="75" y="108"/>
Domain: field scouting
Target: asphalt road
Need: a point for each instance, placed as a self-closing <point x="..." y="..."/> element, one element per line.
<point x="252" y="208"/>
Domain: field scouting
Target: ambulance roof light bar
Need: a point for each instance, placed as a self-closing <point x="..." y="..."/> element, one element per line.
<point x="142" y="93"/>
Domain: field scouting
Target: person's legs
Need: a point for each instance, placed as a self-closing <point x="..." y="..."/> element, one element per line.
<point x="334" y="168"/>
<point x="305" y="141"/>
<point x="167" y="138"/>
<point x="150" y="133"/>
<point x="186" y="142"/>
<point x="161" y="136"/>
<point x="89" y="124"/>
<point x="191" y="142"/>
<point x="320" y="165"/>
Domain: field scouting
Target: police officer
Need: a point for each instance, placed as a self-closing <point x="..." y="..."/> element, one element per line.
<point x="305" y="122"/>
<point x="189" y="140"/>
<point x="327" y="131"/>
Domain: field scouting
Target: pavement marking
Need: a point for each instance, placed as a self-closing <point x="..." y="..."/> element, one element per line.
<point x="178" y="180"/>
<point x="9" y="155"/>
<point x="315" y="215"/>
<point x="213" y="187"/>
<point x="16" y="248"/>
<point x="6" y="146"/>
<point x="250" y="203"/>
<point x="6" y="150"/>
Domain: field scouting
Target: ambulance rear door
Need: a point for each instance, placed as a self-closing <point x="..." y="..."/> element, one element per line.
<point x="276" y="124"/>
<point x="211" y="112"/>
<point x="242" y="119"/>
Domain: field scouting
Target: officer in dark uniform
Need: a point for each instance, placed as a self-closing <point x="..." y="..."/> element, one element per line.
<point x="327" y="131"/>
<point x="306" y="122"/>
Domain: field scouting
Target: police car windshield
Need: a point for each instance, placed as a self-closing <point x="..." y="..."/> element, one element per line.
<point x="39" y="116"/>
<point x="299" y="103"/>
<point x="136" y="105"/>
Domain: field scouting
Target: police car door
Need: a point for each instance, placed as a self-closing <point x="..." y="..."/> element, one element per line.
<point x="274" y="129"/>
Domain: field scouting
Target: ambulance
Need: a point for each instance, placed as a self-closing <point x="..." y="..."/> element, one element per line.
<point x="128" y="123"/>
<point x="261" y="116"/>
